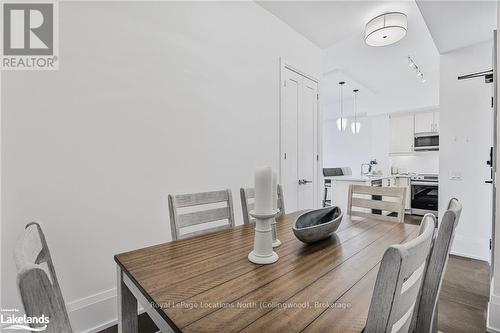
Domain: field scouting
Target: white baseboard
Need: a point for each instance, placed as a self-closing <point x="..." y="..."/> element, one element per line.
<point x="468" y="255"/>
<point x="95" y="313"/>
<point x="81" y="303"/>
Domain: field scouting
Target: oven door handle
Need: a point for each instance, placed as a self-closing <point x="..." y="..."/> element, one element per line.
<point x="436" y="147"/>
<point x="425" y="183"/>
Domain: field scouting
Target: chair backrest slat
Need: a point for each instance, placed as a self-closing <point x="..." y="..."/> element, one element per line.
<point x="390" y="200"/>
<point x="37" y="280"/>
<point x="398" y="282"/>
<point x="180" y="220"/>
<point x="425" y="314"/>
<point x="204" y="216"/>
<point x="375" y="216"/>
<point x="375" y="204"/>
<point x="248" y="194"/>
<point x="203" y="198"/>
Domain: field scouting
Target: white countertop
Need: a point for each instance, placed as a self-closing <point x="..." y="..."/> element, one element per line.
<point x="354" y="178"/>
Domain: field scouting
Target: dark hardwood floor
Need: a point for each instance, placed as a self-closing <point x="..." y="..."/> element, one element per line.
<point x="146" y="325"/>
<point x="464" y="296"/>
<point x="462" y="302"/>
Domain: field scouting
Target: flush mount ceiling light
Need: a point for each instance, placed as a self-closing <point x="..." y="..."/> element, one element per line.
<point x="386" y="29"/>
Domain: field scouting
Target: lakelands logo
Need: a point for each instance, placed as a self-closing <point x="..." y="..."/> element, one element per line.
<point x="30" y="36"/>
<point x="12" y="320"/>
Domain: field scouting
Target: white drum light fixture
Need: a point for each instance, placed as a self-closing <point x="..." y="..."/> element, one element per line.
<point x="386" y="29"/>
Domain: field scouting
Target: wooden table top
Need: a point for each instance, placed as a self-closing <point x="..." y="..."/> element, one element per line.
<point x="207" y="284"/>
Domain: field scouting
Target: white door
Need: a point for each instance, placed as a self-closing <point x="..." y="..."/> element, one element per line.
<point x="299" y="165"/>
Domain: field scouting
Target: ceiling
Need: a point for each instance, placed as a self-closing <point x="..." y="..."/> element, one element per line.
<point x="387" y="84"/>
<point x="325" y="23"/>
<point x="465" y="22"/>
<point x="382" y="74"/>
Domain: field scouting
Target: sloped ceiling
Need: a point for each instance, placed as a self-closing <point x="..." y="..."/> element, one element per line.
<point x="457" y="24"/>
<point x="382" y="74"/>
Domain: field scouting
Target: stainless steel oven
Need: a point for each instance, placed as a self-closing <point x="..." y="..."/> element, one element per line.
<point x="424" y="194"/>
<point x="426" y="141"/>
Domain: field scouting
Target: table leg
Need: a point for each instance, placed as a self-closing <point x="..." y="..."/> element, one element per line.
<point x="127" y="306"/>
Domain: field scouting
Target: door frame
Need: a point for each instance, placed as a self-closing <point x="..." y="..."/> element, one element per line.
<point x="284" y="65"/>
<point x="492" y="321"/>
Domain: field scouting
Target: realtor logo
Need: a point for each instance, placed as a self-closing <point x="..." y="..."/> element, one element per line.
<point x="29" y="36"/>
<point x="13" y="320"/>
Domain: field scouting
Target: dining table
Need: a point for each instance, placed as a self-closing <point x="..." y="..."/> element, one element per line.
<point x="207" y="284"/>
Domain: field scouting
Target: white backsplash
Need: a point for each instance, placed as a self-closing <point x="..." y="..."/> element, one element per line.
<point x="423" y="162"/>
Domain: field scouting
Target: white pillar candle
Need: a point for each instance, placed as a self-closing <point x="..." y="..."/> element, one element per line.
<point x="263" y="190"/>
<point x="274" y="196"/>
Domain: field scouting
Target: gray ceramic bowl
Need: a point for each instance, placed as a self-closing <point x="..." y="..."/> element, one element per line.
<point x="317" y="224"/>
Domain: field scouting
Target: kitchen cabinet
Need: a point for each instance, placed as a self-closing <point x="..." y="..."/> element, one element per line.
<point x="398" y="181"/>
<point x="389" y="182"/>
<point x="436" y="121"/>
<point x="426" y="122"/>
<point x="401" y="134"/>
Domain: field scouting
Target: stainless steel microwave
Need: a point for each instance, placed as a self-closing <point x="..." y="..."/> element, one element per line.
<point x="426" y="141"/>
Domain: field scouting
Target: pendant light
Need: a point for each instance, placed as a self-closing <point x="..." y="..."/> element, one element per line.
<point x="356" y="125"/>
<point x="341" y="122"/>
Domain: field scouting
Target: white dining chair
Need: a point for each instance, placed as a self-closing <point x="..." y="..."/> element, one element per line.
<point x="37" y="281"/>
<point x="361" y="202"/>
<point x="247" y="196"/>
<point x="188" y="210"/>
<point x="426" y="313"/>
<point x="398" y="282"/>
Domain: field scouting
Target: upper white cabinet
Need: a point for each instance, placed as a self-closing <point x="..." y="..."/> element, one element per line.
<point x="402" y="130"/>
<point x="436" y="121"/>
<point x="426" y="122"/>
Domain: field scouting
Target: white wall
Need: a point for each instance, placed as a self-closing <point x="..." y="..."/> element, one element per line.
<point x="341" y="149"/>
<point x="151" y="98"/>
<point x="465" y="140"/>
<point x="380" y="142"/>
<point x="421" y="162"/>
